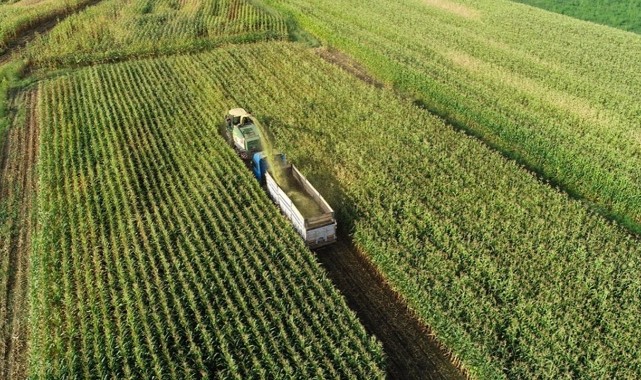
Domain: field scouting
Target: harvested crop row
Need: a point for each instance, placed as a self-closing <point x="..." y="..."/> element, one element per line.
<point x="159" y="256"/>
<point x="18" y="158"/>
<point x="513" y="276"/>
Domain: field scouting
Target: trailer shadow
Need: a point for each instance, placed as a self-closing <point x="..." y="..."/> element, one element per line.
<point x="412" y="351"/>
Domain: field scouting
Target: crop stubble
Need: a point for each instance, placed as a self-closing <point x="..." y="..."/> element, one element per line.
<point x="17" y="188"/>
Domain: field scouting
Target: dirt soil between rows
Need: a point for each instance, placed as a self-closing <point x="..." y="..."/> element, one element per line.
<point x="27" y="36"/>
<point x="412" y="351"/>
<point x="17" y="191"/>
<point x="40" y="27"/>
<point x="345" y="62"/>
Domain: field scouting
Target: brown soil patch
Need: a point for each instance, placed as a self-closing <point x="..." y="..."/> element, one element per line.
<point x="412" y="351"/>
<point x="348" y="64"/>
<point x="17" y="190"/>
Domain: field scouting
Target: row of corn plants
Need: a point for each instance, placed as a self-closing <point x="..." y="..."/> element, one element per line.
<point x="114" y="31"/>
<point x="516" y="278"/>
<point x="159" y="256"/>
<point x="557" y="94"/>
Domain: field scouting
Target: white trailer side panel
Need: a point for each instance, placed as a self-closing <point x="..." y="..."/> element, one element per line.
<point x="286" y="205"/>
<point x="321" y="236"/>
<point x="315" y="235"/>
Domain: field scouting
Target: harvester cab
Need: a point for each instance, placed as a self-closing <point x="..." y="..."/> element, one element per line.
<point x="242" y="133"/>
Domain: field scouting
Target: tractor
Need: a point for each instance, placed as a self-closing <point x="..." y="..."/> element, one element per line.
<point x="242" y="133"/>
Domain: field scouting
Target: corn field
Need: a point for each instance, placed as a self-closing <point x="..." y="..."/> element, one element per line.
<point x="158" y="254"/>
<point x="113" y="31"/>
<point x="479" y="163"/>
<point x="517" y="279"/>
<point x="555" y="93"/>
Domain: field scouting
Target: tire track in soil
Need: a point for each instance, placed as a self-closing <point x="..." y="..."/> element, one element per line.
<point x="18" y="184"/>
<point x="412" y="351"/>
<point x="39" y="27"/>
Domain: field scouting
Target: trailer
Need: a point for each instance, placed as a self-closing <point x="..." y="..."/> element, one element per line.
<point x="299" y="201"/>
